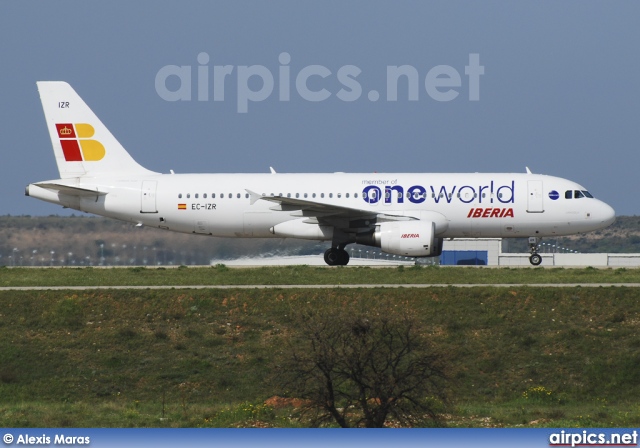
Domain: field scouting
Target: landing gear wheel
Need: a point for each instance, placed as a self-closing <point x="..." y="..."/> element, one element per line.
<point x="330" y="257"/>
<point x="535" y="259"/>
<point x="343" y="258"/>
<point x="336" y="257"/>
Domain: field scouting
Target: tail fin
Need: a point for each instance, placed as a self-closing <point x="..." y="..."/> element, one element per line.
<point x="82" y="145"/>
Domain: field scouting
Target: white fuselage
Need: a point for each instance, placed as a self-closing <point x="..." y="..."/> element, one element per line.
<point x="469" y="205"/>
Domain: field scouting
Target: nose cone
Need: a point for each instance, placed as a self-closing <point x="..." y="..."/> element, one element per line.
<point x="606" y="214"/>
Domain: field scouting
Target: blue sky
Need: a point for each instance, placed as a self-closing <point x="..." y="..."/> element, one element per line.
<point x="560" y="90"/>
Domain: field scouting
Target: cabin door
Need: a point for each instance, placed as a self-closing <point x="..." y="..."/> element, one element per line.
<point x="534" y="197"/>
<point x="148" y="197"/>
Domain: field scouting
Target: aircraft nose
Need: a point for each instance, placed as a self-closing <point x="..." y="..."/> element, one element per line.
<point x="607" y="214"/>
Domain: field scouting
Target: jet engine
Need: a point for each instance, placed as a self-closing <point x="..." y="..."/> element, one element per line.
<point x="408" y="238"/>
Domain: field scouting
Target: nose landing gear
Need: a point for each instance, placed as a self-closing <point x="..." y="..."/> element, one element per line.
<point x="535" y="258"/>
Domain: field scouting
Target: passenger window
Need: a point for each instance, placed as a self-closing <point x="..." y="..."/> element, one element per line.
<point x="305" y="195"/>
<point x="213" y="195"/>
<point x="347" y="195"/>
<point x="339" y="195"/>
<point x="180" y="196"/>
<point x="188" y="195"/>
<point x="288" y="195"/>
<point x="238" y="196"/>
<point x="204" y="195"/>
<point x="313" y="195"/>
<point x="196" y="196"/>
<point x="246" y="196"/>
<point x="330" y="195"/>
<point x="322" y="195"/>
<point x="568" y="194"/>
<point x="355" y="195"/>
<point x="297" y="195"/>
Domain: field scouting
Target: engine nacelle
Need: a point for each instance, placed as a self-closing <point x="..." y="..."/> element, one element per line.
<point x="299" y="228"/>
<point x="408" y="238"/>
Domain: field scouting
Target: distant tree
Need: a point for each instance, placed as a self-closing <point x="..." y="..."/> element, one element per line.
<point x="361" y="364"/>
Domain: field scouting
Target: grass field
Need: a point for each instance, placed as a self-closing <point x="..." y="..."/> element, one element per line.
<point x="307" y="275"/>
<point x="552" y="357"/>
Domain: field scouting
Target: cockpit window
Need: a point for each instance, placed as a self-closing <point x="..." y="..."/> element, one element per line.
<point x="577" y="194"/>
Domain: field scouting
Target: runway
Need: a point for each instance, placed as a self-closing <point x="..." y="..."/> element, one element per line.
<point x="357" y="286"/>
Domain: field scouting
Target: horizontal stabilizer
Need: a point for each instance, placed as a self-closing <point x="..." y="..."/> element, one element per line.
<point x="70" y="190"/>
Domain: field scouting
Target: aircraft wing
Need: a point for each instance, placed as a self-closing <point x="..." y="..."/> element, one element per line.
<point x="335" y="215"/>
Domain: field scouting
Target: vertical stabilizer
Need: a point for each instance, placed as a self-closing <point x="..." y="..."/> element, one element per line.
<point x="82" y="145"/>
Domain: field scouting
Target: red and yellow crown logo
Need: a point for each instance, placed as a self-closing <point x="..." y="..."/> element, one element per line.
<point x="66" y="132"/>
<point x="77" y="145"/>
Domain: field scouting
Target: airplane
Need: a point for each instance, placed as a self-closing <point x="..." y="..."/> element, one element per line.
<point x="406" y="214"/>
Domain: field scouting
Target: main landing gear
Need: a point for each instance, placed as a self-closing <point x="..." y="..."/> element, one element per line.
<point x="535" y="258"/>
<point x="336" y="256"/>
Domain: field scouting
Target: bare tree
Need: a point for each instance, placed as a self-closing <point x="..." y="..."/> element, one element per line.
<point x="360" y="364"/>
